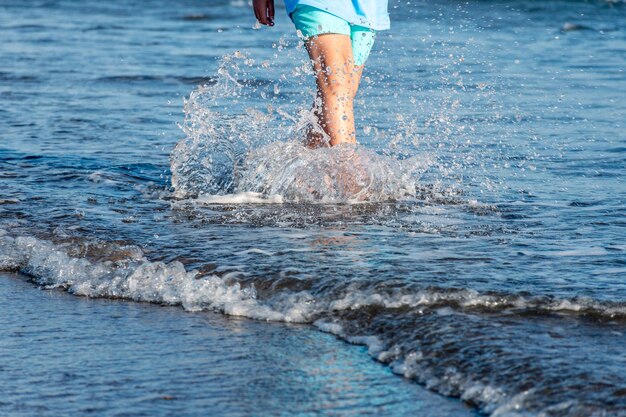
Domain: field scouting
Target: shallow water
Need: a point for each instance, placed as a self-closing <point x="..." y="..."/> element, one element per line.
<point x="476" y="247"/>
<point x="142" y="360"/>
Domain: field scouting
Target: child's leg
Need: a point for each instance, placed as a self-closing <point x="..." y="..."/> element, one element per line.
<point x="337" y="84"/>
<point x="338" y="51"/>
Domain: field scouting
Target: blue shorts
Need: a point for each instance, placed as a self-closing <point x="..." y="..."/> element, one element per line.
<point x="311" y="21"/>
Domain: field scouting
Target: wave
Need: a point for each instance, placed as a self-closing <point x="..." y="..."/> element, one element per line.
<point x="109" y="269"/>
<point x="124" y="272"/>
<point x="386" y="319"/>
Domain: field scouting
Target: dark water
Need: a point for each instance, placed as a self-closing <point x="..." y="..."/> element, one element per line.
<point x="474" y="241"/>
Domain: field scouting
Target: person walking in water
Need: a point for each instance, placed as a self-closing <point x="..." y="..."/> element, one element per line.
<point x="338" y="35"/>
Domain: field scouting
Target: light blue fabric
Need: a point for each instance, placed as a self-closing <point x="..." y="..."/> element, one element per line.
<point x="369" y="13"/>
<point x="311" y="22"/>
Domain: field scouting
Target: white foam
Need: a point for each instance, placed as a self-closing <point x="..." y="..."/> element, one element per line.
<point x="128" y="274"/>
<point x="329" y="327"/>
<point x="374" y="345"/>
<point x="100" y="177"/>
<point x="256" y="251"/>
<point x="244" y="197"/>
<point x="469" y="298"/>
<point x="591" y="251"/>
<point x="9" y="201"/>
<point x="408" y="366"/>
<point x="135" y="279"/>
<point x="389" y="355"/>
<point x="450" y="382"/>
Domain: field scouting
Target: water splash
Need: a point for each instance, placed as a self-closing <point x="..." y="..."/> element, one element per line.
<point x="227" y="151"/>
<point x="345" y="173"/>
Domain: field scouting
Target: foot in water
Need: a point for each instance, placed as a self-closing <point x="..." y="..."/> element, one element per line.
<point x="342" y="175"/>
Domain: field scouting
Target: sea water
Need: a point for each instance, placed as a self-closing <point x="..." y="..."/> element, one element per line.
<point x="473" y="242"/>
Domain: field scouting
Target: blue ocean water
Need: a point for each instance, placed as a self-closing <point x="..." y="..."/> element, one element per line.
<point x="147" y="361"/>
<point x="474" y="241"/>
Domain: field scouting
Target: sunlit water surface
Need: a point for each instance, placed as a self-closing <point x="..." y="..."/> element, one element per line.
<point x="473" y="242"/>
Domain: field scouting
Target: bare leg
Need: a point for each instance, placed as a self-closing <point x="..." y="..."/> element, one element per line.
<point x="337" y="84"/>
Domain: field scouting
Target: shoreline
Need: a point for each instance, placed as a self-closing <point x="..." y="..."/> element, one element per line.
<point x="146" y="359"/>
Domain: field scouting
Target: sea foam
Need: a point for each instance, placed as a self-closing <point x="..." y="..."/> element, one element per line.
<point x="110" y="270"/>
<point x="125" y="272"/>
